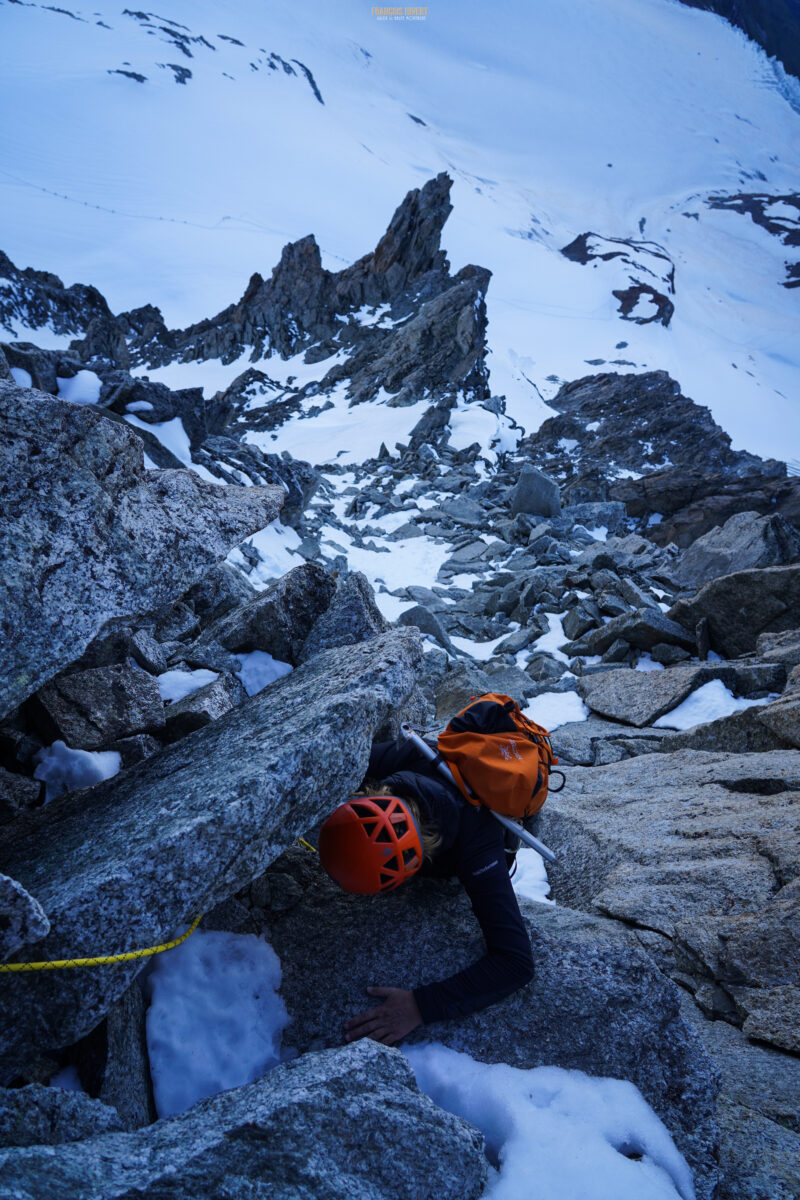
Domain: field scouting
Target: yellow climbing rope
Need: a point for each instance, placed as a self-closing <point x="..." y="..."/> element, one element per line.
<point x="102" y="960"/>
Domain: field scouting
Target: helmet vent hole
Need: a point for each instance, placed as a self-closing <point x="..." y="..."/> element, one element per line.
<point x="383" y="834"/>
<point x="386" y="879"/>
<point x="410" y="858"/>
<point x="362" y="810"/>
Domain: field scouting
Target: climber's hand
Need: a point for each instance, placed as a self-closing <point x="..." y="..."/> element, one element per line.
<point x="387" y="1023"/>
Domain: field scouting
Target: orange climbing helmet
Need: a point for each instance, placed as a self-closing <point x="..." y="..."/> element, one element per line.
<point x="371" y="844"/>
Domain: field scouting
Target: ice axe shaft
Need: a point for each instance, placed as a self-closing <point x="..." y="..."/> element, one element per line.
<point x="445" y="771"/>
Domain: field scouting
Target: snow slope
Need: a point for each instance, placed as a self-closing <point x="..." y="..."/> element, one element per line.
<point x="619" y="119"/>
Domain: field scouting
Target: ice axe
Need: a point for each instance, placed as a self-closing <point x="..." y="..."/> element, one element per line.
<point x="443" y="769"/>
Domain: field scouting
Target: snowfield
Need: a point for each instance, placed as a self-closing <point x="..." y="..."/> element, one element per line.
<point x="628" y="119"/>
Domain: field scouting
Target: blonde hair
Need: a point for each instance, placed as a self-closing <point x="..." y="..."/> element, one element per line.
<point x="429" y="834"/>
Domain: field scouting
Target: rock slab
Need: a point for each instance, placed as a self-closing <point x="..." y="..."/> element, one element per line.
<point x="585" y="967"/>
<point x="348" y="1122"/>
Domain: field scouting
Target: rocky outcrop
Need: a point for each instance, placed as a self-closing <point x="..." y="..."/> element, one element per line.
<point x="352" y="616"/>
<point x="207" y="704"/>
<point x="740" y="606"/>
<point x="742" y="732"/>
<point x="595" y="742"/>
<point x="612" y="425"/>
<point x="17" y="792"/>
<point x="537" y="493"/>
<point x="584" y="966"/>
<point x="91" y="536"/>
<point x="743" y="542"/>
<point x="134" y="859"/>
<point x="643" y="628"/>
<point x="688" y="501"/>
<point x="303" y="303"/>
<point x="319" y="1128"/>
<point x="39" y="298"/>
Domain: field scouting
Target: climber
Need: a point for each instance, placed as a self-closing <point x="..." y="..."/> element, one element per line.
<point x="418" y="822"/>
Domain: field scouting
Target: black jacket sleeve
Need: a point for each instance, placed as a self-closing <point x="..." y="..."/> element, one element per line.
<point x="472" y="849"/>
<point x="387" y="758"/>
<point x="508" y="962"/>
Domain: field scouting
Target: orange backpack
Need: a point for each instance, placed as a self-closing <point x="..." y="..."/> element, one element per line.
<point x="498" y="757"/>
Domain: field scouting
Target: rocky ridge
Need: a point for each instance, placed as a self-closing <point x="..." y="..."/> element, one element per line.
<point x="561" y="567"/>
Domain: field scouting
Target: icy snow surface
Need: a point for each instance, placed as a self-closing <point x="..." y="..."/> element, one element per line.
<point x="482" y="651"/>
<point x="395" y="563"/>
<point x="552" y="709"/>
<point x="274" y="544"/>
<point x="651" y="107"/>
<point x="67" y="1079"/>
<point x="83" y="388"/>
<point x="709" y="702"/>
<point x="63" y="769"/>
<point x="554" y="1133"/>
<point x="21" y="377"/>
<point x="178" y="683"/>
<point x="530" y="878"/>
<point x="341" y="434"/>
<point x="646" y="663"/>
<point x="215" y="1018"/>
<point x="554" y="637"/>
<point x="258" y="670"/>
<point x="171" y="434"/>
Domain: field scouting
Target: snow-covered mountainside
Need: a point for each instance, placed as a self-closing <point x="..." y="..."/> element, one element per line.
<point x="626" y="170"/>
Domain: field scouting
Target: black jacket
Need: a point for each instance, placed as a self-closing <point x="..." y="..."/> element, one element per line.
<point x="472" y="848"/>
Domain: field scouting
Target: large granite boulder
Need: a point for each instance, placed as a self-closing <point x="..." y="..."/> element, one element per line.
<point x="89" y="709"/>
<point x="741" y="606"/>
<point x="746" y="540"/>
<point x="348" y="1122"/>
<point x="279" y="619"/>
<point x="535" y="492"/>
<point x="17" y="792"/>
<point x="129" y="862"/>
<point x="703" y="850"/>
<point x="597" y="1003"/>
<point x="199" y="708"/>
<point x="742" y="732"/>
<point x="352" y="616"/>
<point x="583" y="743"/>
<point x="782" y="718"/>
<point x="90" y="536"/>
